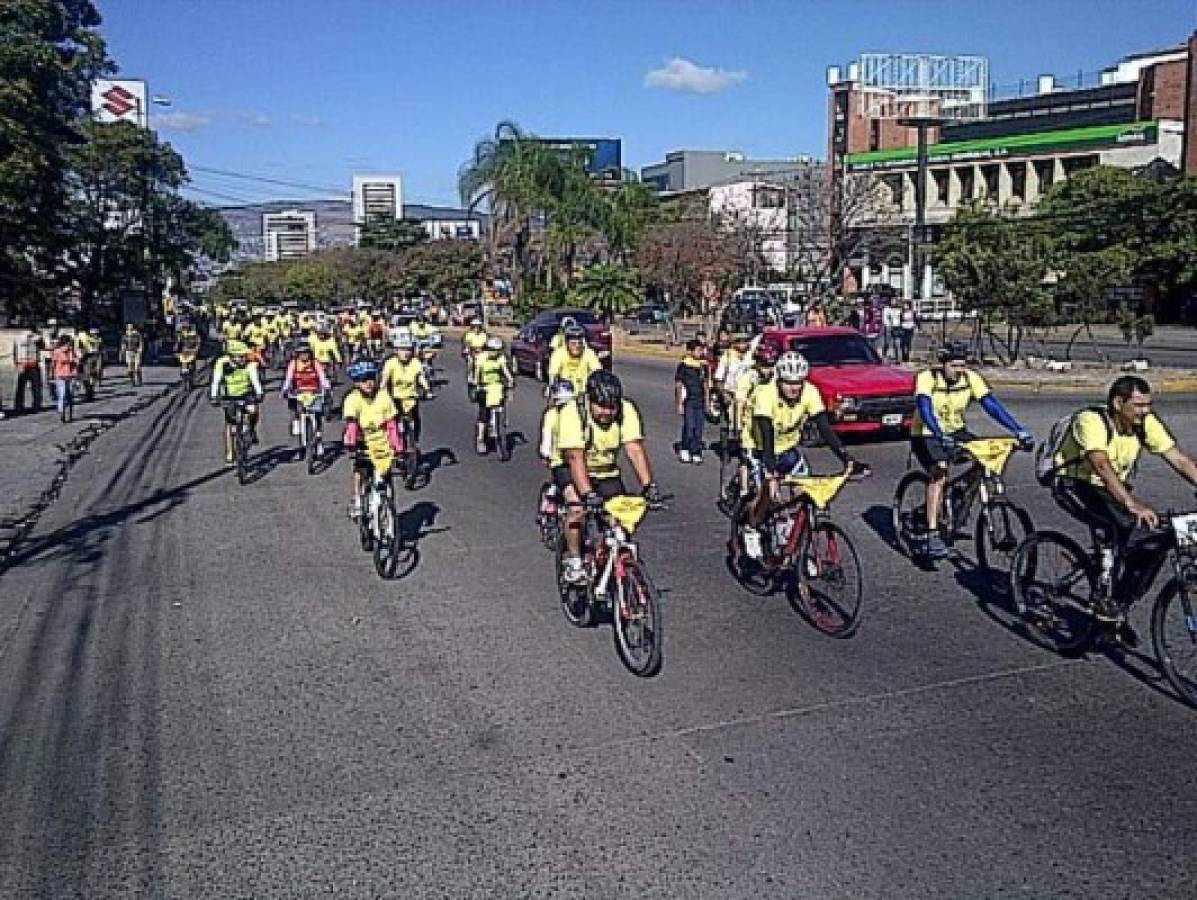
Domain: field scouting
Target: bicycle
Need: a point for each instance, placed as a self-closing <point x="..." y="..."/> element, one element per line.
<point x="1001" y="523"/>
<point x="187" y="370"/>
<point x="549" y="520"/>
<point x="311" y="412"/>
<point x="616" y="580"/>
<point x="89" y="375"/>
<point x="378" y="528"/>
<point x="496" y="428"/>
<point x="804" y="551"/>
<point x="1058" y="587"/>
<point x="237" y="416"/>
<point x="409" y="461"/>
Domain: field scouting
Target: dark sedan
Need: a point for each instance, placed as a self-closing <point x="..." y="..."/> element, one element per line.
<point x="530" y="350"/>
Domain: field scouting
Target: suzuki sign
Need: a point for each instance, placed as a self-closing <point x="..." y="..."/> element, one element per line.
<point x="119" y="101"/>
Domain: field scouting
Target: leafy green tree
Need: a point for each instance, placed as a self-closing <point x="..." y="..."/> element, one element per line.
<point x="609" y="290"/>
<point x="392" y="235"/>
<point x="631" y="208"/>
<point x="310" y="280"/>
<point x="50" y="52"/>
<point x="448" y="269"/>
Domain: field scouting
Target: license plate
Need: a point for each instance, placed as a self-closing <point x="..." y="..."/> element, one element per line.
<point x="892" y="419"/>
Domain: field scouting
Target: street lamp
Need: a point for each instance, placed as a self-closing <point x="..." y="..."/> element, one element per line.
<point x="923" y="121"/>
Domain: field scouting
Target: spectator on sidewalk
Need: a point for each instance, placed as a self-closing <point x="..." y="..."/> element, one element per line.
<point x="690" y="394"/>
<point x="891" y="330"/>
<point x="27" y="352"/>
<point x="65" y="362"/>
<point x="909" y="325"/>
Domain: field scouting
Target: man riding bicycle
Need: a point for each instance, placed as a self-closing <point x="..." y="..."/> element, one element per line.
<point x="1092" y="472"/>
<point x="590" y="434"/>
<point x="370" y="419"/>
<point x="403" y="378"/>
<point x="943" y="395"/>
<point x="235" y="379"/>
<point x="780" y="410"/>
<point x="493" y="376"/>
<point x="573" y="361"/>
<point x="764" y="360"/>
<point x="473" y="342"/>
<point x="188" y="347"/>
<point x="325" y="349"/>
<point x="305" y="378"/>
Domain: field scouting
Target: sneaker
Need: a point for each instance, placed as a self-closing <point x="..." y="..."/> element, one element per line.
<point x="228" y="459"/>
<point x="684" y="455"/>
<point x="481" y="447"/>
<point x="572" y="570"/>
<point x="696" y="459"/>
<point x="752" y="543"/>
<point x="936" y="549"/>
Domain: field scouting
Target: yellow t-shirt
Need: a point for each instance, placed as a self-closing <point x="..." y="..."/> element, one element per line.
<point x="788" y="418"/>
<point x="474" y="340"/>
<point x="372" y="415"/>
<point x="403" y="379"/>
<point x="601" y="445"/>
<point x="353" y="334"/>
<point x="573" y="369"/>
<point x="950" y="401"/>
<point x="747" y="386"/>
<point x="256" y="335"/>
<point x="325" y="350"/>
<point x="231" y="330"/>
<point x="420" y="332"/>
<point x="1090" y="431"/>
<point x="491" y="369"/>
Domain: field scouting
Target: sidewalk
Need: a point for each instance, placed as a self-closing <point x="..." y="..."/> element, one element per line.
<point x="38" y="449"/>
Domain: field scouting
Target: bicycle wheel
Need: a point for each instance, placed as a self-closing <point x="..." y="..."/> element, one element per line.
<point x="577" y="600"/>
<point x="751" y="574"/>
<point x="729" y="485"/>
<point x="830" y="580"/>
<point x="365" y="533"/>
<point x="1001" y="528"/>
<point x="241" y="453"/>
<point x="500" y="433"/>
<point x="1051" y="581"/>
<point x="1174" y="634"/>
<point x="639" y="631"/>
<point x="386" y="545"/>
<point x="909" y="515"/>
<point x="309" y="443"/>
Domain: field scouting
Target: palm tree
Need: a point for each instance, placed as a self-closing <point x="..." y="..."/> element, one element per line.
<point x="607" y="289"/>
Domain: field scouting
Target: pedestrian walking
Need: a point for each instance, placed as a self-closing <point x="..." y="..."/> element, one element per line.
<point x="690" y="386"/>
<point x="132" y="345"/>
<point x="891" y="330"/>
<point x="65" y="364"/>
<point x="27" y="352"/>
<point x="909" y="325"/>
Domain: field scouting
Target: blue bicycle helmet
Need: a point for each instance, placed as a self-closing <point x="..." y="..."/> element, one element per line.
<point x="364" y="370"/>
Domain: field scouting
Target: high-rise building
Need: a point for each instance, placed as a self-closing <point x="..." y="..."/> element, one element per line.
<point x="376" y="197"/>
<point x="288" y="234"/>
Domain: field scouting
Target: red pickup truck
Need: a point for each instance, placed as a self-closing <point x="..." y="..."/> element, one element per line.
<point x="862" y="393"/>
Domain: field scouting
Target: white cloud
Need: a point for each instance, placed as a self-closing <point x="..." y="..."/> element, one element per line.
<point x="305" y="121"/>
<point x="181" y="121"/>
<point x="249" y="119"/>
<point x="680" y="74"/>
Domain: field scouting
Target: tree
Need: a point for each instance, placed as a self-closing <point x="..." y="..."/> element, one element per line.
<point x="608" y="290"/>
<point x="50" y="53"/>
<point x="311" y="280"/>
<point x="631" y="208"/>
<point x="687" y="258"/>
<point x="829" y="232"/>
<point x="392" y="235"/>
<point x="449" y="269"/>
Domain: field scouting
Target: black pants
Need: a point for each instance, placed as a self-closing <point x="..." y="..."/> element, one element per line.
<point x="693" y="420"/>
<point x="1141" y="550"/>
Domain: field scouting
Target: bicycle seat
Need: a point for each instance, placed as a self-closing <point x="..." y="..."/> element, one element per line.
<point x="992" y="453"/>
<point x="820" y="488"/>
<point x="627" y="510"/>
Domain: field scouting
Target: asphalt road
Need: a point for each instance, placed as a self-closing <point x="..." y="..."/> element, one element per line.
<point x="205" y="690"/>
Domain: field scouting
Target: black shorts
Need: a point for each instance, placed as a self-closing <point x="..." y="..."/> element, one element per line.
<point x="929" y="450"/>
<point x="604" y="487"/>
<point x="561" y="477"/>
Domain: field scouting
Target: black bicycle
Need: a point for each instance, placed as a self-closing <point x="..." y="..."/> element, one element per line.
<point x="236" y="415"/>
<point x="1058" y="589"/>
<point x="1001" y="523"/>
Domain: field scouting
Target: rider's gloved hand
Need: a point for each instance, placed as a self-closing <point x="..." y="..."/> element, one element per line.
<point x="652" y="493"/>
<point x="858" y="469"/>
<point x="1026" y="440"/>
<point x="593" y="502"/>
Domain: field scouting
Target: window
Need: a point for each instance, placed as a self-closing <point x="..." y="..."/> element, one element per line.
<point x="768" y="198"/>
<point x="1018" y="180"/>
<point x="1075" y="164"/>
<point x="939" y="183"/>
<point x="1045" y="171"/>
<point x="874" y="134"/>
<point x="966" y="182"/>
<point x="989" y="177"/>
<point x="837" y="350"/>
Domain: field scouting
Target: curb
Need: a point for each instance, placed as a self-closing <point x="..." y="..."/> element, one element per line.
<point x="13" y="531"/>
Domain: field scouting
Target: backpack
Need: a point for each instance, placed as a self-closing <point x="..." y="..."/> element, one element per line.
<point x="1046" y="468"/>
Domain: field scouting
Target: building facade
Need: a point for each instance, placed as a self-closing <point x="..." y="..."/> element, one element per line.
<point x="288" y="234"/>
<point x="376" y="198"/>
<point x="689" y="170"/>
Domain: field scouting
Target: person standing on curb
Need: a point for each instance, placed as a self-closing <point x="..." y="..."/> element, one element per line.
<point x="65" y="362"/>
<point x="27" y="351"/>
<point x="910" y="323"/>
<point x="690" y="393"/>
<point x="891" y="330"/>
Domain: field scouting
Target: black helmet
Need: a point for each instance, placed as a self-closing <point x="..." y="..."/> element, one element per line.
<point x="603" y="389"/>
<point x="954" y="351"/>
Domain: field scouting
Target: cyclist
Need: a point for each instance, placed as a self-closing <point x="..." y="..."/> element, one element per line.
<point x="354" y="334"/>
<point x="428" y="341"/>
<point x="325" y="349"/>
<point x="132" y="345"/>
<point x="573" y="361"/>
<point x="943" y="395"/>
<point x="1094" y="466"/>
<point x="403" y="378"/>
<point x="376" y="335"/>
<point x="733" y="363"/>
<point x="473" y="342"/>
<point x="494" y="379"/>
<point x="370" y="417"/>
<point x="188" y="346"/>
<point x="305" y="375"/>
<point x="235" y="377"/>
<point x="780" y="410"/>
<point x="590" y="434"/>
<point x="558" y="340"/>
<point x="560" y="395"/>
<point x="764" y="359"/>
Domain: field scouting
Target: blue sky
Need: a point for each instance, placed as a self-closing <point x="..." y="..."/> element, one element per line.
<point x="312" y="91"/>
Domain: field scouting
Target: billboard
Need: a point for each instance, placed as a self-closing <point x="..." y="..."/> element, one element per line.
<point x="604" y="155"/>
<point x="119" y="100"/>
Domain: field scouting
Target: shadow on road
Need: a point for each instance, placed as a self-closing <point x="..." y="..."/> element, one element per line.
<point x="266" y="461"/>
<point x="434" y="460"/>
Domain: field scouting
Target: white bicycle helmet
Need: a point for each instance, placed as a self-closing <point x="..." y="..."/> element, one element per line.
<point x="792" y="367"/>
<point x="403" y="341"/>
<point x="494" y="342"/>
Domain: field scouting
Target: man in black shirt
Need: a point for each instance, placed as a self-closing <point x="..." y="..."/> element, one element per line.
<point x="690" y="383"/>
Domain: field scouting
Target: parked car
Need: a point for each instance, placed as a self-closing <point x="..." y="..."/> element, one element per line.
<point x="652" y="314"/>
<point x="530" y="349"/>
<point x="862" y="393"/>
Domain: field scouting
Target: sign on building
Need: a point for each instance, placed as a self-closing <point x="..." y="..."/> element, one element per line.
<point x="119" y="100"/>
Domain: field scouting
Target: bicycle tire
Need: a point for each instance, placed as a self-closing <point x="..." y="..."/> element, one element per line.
<point x="309" y="437"/>
<point x="908" y="512"/>
<point x="577" y="600"/>
<point x="751" y="574"/>
<point x="364" y="534"/>
<point x="1051" y="616"/>
<point x="500" y="432"/>
<point x="639" y="631"/>
<point x="386" y="544"/>
<point x="996" y="546"/>
<point x="241" y="455"/>
<point x="1171" y="629"/>
<point x="729" y="485"/>
<point x="827" y="560"/>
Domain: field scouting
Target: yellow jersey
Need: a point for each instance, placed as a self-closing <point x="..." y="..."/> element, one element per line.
<point x="577" y="431"/>
<point x="493" y="374"/>
<point x="402" y="379"/>
<point x="573" y="369"/>
<point x="372" y="415"/>
<point x="1092" y="430"/>
<point x="950" y="401"/>
<point x="325" y="350"/>
<point x="474" y="340"/>
<point x="787" y="417"/>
